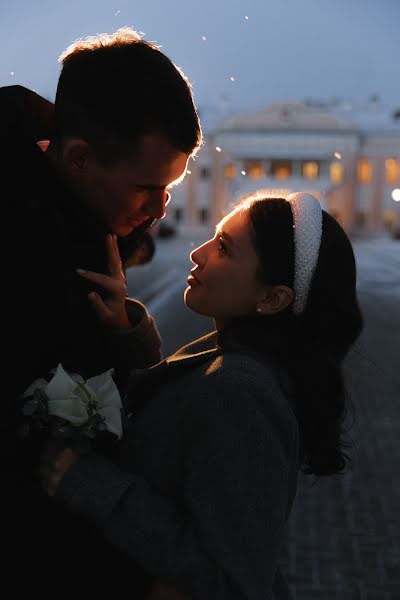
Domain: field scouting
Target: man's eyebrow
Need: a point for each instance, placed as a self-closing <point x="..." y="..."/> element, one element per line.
<point x="225" y="235"/>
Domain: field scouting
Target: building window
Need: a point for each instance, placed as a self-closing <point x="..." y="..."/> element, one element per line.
<point x="205" y="173"/>
<point x="360" y="218"/>
<point x="364" y="171"/>
<point x="389" y="219"/>
<point x="178" y="214"/>
<point x="254" y="169"/>
<point x="203" y="215"/>
<point x="336" y="173"/>
<point x="392" y="169"/>
<point x="230" y="171"/>
<point x="281" y="169"/>
<point x="310" y="169"/>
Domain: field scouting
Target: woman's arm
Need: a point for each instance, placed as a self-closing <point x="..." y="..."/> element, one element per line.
<point x="223" y="540"/>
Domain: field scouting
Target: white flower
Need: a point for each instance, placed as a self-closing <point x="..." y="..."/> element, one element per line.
<point x="75" y="400"/>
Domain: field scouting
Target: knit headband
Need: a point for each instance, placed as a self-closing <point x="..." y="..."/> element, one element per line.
<point x="307" y="224"/>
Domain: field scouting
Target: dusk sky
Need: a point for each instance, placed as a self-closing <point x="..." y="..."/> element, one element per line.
<point x="273" y="49"/>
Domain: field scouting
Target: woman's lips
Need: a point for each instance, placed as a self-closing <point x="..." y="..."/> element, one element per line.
<point x="193" y="280"/>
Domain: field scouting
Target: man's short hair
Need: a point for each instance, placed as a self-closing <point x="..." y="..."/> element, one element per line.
<point x="115" y="88"/>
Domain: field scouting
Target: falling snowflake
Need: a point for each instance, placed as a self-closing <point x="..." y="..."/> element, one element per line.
<point x="12" y="73"/>
<point x="247" y="18"/>
<point x="218" y="149"/>
<point x="232" y="78"/>
<point x="243" y="172"/>
<point x="117" y="13"/>
<point x="203" y="37"/>
<point x="189" y="172"/>
<point x="337" y="155"/>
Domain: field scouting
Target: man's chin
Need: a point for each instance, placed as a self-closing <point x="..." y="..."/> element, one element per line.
<point x="123" y="230"/>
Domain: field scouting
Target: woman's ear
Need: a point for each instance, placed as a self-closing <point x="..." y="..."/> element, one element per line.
<point x="276" y="298"/>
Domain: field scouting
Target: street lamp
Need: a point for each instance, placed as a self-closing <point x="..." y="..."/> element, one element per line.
<point x="396" y="228"/>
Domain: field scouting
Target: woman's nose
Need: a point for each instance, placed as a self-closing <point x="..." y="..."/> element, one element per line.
<point x="197" y="255"/>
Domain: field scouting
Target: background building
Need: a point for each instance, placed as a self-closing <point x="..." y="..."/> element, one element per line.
<point x="349" y="158"/>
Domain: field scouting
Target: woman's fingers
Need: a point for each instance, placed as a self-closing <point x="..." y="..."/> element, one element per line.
<point x="114" y="259"/>
<point x="114" y="286"/>
<point x="101" y="309"/>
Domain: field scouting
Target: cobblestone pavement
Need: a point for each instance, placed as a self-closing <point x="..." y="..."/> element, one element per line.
<point x="344" y="533"/>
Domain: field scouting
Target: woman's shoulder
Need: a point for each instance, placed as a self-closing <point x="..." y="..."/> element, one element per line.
<point x="231" y="378"/>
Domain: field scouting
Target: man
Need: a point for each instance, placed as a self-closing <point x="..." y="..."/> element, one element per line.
<point x="98" y="162"/>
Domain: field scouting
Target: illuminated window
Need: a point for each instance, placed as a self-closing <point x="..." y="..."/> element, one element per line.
<point x="254" y="169"/>
<point x="389" y="219"/>
<point x="392" y="170"/>
<point x="281" y="169"/>
<point x="310" y="169"/>
<point x="364" y="171"/>
<point x="336" y="172"/>
<point x="230" y="171"/>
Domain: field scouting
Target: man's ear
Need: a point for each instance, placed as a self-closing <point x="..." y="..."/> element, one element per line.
<point x="276" y="298"/>
<point x="76" y="154"/>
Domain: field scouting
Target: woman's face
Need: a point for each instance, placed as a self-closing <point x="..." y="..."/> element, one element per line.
<point x="223" y="285"/>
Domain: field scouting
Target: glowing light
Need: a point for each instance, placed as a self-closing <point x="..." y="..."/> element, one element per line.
<point x="337" y="155"/>
<point x="396" y="195"/>
<point x="232" y="78"/>
<point x="203" y="37"/>
<point x="243" y="172"/>
<point x="218" y="149"/>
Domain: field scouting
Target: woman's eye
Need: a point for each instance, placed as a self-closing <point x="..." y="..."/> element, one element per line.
<point x="221" y="245"/>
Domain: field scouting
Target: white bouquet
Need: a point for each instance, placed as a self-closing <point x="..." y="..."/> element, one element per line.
<point x="72" y="409"/>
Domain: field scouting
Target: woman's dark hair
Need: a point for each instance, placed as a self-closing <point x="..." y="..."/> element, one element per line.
<point x="115" y="88"/>
<point x="311" y="345"/>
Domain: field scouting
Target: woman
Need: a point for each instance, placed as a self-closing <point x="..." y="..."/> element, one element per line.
<point x="201" y="487"/>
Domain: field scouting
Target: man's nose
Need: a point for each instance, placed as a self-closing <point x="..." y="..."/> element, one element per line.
<point x="157" y="203"/>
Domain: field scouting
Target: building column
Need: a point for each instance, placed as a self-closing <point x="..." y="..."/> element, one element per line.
<point x="378" y="178"/>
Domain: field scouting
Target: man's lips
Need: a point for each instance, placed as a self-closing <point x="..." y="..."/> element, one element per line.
<point x="135" y="222"/>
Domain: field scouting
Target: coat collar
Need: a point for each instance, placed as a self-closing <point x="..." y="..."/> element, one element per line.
<point x="200" y="350"/>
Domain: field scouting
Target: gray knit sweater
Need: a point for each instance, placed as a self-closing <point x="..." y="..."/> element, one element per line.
<point x="202" y="485"/>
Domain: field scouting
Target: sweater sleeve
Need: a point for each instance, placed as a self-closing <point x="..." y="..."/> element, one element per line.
<point x="140" y="346"/>
<point x="223" y="540"/>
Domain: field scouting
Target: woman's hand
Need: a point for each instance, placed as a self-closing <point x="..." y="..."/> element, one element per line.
<point x="54" y="464"/>
<point x="111" y="310"/>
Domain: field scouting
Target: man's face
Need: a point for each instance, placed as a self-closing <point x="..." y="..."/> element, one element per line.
<point x="128" y="192"/>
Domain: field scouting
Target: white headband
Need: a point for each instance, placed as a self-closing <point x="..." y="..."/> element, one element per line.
<point x="307" y="224"/>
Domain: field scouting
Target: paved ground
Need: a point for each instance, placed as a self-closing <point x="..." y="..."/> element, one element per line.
<point x="343" y="538"/>
<point x="344" y="534"/>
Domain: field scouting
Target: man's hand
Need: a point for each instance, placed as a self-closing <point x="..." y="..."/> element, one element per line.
<point x="54" y="464"/>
